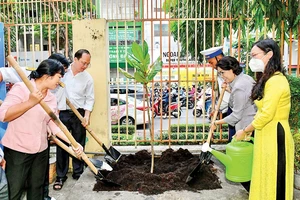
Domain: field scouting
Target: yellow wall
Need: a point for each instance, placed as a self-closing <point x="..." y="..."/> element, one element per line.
<point x="92" y="35"/>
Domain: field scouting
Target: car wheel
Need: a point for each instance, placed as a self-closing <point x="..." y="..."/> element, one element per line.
<point x="125" y="121"/>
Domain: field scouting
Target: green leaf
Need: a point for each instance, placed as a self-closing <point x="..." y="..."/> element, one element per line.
<point x="133" y="62"/>
<point x="137" y="51"/>
<point x="155" y="68"/>
<point x="147" y="62"/>
<point x="145" y="49"/>
<point x="140" y="58"/>
<point x="139" y="77"/>
<point x="125" y="73"/>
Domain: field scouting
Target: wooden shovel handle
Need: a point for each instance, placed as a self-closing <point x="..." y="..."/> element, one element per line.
<point x="82" y="120"/>
<point x="215" y="114"/>
<point x="63" y="146"/>
<point x="55" y="119"/>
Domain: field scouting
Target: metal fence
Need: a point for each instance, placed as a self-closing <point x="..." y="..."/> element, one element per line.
<point x="175" y="30"/>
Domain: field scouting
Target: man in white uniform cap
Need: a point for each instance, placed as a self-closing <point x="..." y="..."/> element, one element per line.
<point x="213" y="55"/>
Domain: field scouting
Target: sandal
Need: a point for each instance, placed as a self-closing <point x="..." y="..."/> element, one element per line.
<point x="59" y="183"/>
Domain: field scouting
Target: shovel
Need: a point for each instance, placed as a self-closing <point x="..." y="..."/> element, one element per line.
<point x="98" y="163"/>
<point x="205" y="156"/>
<point x="56" y="120"/>
<point x="112" y="154"/>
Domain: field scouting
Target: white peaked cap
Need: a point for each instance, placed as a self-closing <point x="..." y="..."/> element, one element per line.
<point x="212" y="52"/>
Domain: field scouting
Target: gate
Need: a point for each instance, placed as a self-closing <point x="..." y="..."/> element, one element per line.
<point x="175" y="30"/>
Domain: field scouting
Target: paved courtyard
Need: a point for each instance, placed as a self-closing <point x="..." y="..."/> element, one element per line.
<point x="83" y="188"/>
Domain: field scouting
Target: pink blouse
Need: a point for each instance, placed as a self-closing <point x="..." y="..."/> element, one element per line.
<point x="28" y="133"/>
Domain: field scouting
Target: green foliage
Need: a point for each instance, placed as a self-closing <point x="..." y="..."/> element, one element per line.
<point x="195" y="34"/>
<point x="297" y="151"/>
<point x="46" y="18"/>
<point x="191" y="136"/>
<point x="186" y="138"/>
<point x="246" y="16"/>
<point x="198" y="128"/>
<point x="139" y="58"/>
<point x="123" y="129"/>
<point x="127" y="140"/>
<point x="294" y="118"/>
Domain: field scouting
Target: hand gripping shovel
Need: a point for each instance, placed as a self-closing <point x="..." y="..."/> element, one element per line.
<point x="205" y="156"/>
<point x="112" y="154"/>
<point x="56" y="120"/>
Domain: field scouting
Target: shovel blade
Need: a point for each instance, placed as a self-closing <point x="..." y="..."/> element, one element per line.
<point x="101" y="165"/>
<point x="106" y="181"/>
<point x="112" y="155"/>
<point x="193" y="174"/>
<point x="204" y="158"/>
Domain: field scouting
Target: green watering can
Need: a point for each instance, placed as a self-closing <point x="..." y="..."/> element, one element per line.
<point x="237" y="160"/>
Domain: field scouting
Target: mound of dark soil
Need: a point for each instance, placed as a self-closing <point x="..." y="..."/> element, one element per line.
<point x="171" y="169"/>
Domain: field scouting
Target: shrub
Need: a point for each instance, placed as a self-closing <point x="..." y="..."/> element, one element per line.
<point x="123" y="129"/>
<point x="198" y="128"/>
<point x="294" y="118"/>
<point x="297" y="151"/>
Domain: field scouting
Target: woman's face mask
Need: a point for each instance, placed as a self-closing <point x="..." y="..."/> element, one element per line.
<point x="256" y="65"/>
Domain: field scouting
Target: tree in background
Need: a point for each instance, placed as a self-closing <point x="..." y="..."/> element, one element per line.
<point x="47" y="20"/>
<point x="208" y="22"/>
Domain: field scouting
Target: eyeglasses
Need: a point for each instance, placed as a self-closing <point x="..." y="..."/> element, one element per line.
<point x="255" y="54"/>
<point x="85" y="63"/>
<point x="221" y="73"/>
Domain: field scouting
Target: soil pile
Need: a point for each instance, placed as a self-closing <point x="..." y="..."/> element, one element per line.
<point x="171" y="169"/>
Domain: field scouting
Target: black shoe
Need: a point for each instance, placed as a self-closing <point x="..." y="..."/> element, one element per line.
<point x="76" y="176"/>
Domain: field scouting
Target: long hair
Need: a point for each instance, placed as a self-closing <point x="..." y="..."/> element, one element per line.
<point x="49" y="67"/>
<point x="274" y="65"/>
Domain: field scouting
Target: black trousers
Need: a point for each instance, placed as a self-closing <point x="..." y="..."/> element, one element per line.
<point x="73" y="124"/>
<point x="46" y="183"/>
<point x="29" y="169"/>
<point x="231" y="129"/>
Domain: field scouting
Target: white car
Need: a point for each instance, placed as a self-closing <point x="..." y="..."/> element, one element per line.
<point x="137" y="110"/>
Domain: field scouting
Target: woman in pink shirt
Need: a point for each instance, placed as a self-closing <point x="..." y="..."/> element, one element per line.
<point x="25" y="140"/>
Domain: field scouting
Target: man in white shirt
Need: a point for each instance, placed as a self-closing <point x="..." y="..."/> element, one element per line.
<point x="79" y="89"/>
